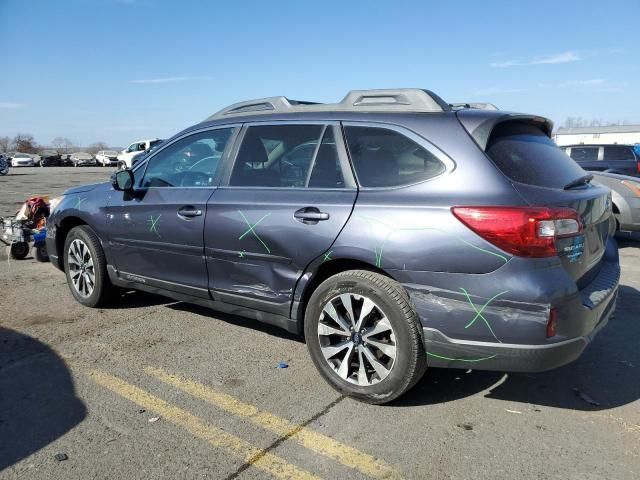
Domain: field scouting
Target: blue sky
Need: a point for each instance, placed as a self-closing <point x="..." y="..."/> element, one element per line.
<point x="122" y="70"/>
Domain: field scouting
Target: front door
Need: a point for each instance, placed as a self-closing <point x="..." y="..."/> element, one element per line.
<point x="156" y="232"/>
<point x="289" y="193"/>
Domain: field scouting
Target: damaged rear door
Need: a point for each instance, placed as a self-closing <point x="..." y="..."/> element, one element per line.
<point x="286" y="198"/>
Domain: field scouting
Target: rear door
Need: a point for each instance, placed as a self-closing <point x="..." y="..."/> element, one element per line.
<point x="288" y="195"/>
<point x="545" y="176"/>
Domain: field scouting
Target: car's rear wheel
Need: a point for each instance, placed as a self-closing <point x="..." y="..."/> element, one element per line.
<point x="364" y="336"/>
<point x="86" y="268"/>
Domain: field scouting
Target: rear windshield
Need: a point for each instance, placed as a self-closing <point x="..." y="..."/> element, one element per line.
<point x="526" y="155"/>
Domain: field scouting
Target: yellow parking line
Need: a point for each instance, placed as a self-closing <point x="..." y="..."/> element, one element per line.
<point x="257" y="457"/>
<point x="310" y="439"/>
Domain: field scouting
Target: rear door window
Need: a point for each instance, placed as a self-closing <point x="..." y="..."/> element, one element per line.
<point x="276" y="156"/>
<point x="584" y="154"/>
<point x="526" y="155"/>
<point x="618" y="153"/>
<point x="386" y="158"/>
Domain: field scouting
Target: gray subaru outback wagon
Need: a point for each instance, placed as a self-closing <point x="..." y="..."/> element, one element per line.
<point x="395" y="231"/>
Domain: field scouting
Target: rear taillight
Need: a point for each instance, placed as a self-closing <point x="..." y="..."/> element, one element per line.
<point x="522" y="231"/>
<point x="633" y="186"/>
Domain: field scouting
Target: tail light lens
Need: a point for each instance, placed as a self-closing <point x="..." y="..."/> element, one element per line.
<point x="633" y="186"/>
<point x="522" y="231"/>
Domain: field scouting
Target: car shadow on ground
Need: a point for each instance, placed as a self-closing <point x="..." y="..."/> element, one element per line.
<point x="605" y="376"/>
<point x="136" y="299"/>
<point x="628" y="239"/>
<point x="237" y="320"/>
<point x="38" y="403"/>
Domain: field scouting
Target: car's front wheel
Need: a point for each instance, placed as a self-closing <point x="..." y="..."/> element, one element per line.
<point x="86" y="267"/>
<point x="364" y="336"/>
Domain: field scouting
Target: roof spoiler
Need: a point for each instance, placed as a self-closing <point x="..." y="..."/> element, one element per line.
<point x="480" y="123"/>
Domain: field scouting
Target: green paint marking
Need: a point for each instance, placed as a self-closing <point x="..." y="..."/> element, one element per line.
<point x="252" y="229"/>
<point x="468" y="360"/>
<point x="241" y="254"/>
<point x="479" y="311"/>
<point x="79" y="201"/>
<point x="327" y="256"/>
<point x="153" y="224"/>
<point x="380" y="249"/>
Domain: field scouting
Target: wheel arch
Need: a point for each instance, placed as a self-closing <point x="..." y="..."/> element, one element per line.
<point x="66" y="224"/>
<point x="315" y="276"/>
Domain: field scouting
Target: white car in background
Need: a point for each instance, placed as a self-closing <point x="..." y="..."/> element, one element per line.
<point x="125" y="157"/>
<point x="22" y="160"/>
<point x="107" y="158"/>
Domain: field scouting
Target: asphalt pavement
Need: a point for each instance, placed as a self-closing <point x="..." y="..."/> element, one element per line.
<point x="153" y="388"/>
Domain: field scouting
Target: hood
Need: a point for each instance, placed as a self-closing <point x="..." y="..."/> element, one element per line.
<point x="84" y="188"/>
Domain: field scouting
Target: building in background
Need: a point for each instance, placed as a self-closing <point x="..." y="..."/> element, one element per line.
<point x="622" y="134"/>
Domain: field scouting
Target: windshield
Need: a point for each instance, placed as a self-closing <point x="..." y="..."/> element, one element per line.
<point x="21" y="155"/>
<point x="111" y="153"/>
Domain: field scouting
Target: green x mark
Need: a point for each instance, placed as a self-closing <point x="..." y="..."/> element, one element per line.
<point x="253" y="231"/>
<point x="153" y="224"/>
<point x="327" y="256"/>
<point x="479" y="311"/>
<point x="79" y="201"/>
<point x="241" y="254"/>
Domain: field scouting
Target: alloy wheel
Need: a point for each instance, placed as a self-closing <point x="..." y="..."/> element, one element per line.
<point x="81" y="268"/>
<point x="357" y="339"/>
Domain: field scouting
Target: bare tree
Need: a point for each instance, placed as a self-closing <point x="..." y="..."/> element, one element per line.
<point x="97" y="146"/>
<point x="62" y="145"/>
<point x="25" y="143"/>
<point x="5" y="143"/>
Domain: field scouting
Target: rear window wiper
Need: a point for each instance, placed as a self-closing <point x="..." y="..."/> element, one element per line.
<point x="583" y="180"/>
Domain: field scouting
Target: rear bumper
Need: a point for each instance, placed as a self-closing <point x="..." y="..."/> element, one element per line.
<point x="506" y="357"/>
<point x="516" y="341"/>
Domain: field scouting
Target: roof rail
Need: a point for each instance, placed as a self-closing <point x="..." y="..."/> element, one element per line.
<point x="386" y="100"/>
<point x="474" y="106"/>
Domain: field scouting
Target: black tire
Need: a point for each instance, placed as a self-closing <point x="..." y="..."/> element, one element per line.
<point x="410" y="358"/>
<point x="19" y="250"/>
<point x="102" y="289"/>
<point x="41" y="253"/>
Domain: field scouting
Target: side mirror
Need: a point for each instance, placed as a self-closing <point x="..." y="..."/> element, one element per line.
<point x="122" y="180"/>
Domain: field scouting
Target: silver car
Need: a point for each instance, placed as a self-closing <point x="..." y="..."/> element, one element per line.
<point x="81" y="159"/>
<point x="625" y="194"/>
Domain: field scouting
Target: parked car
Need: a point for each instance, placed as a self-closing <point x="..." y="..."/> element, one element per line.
<point x="625" y="197"/>
<point x="49" y="158"/>
<point x="126" y="156"/>
<point x="107" y="158"/>
<point x="139" y="156"/>
<point x="4" y="164"/>
<point x="620" y="159"/>
<point x="65" y="160"/>
<point x="412" y="235"/>
<point x="22" y="160"/>
<point x="82" y="159"/>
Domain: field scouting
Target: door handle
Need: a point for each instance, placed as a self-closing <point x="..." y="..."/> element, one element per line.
<point x="310" y="215"/>
<point x="189" y="212"/>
